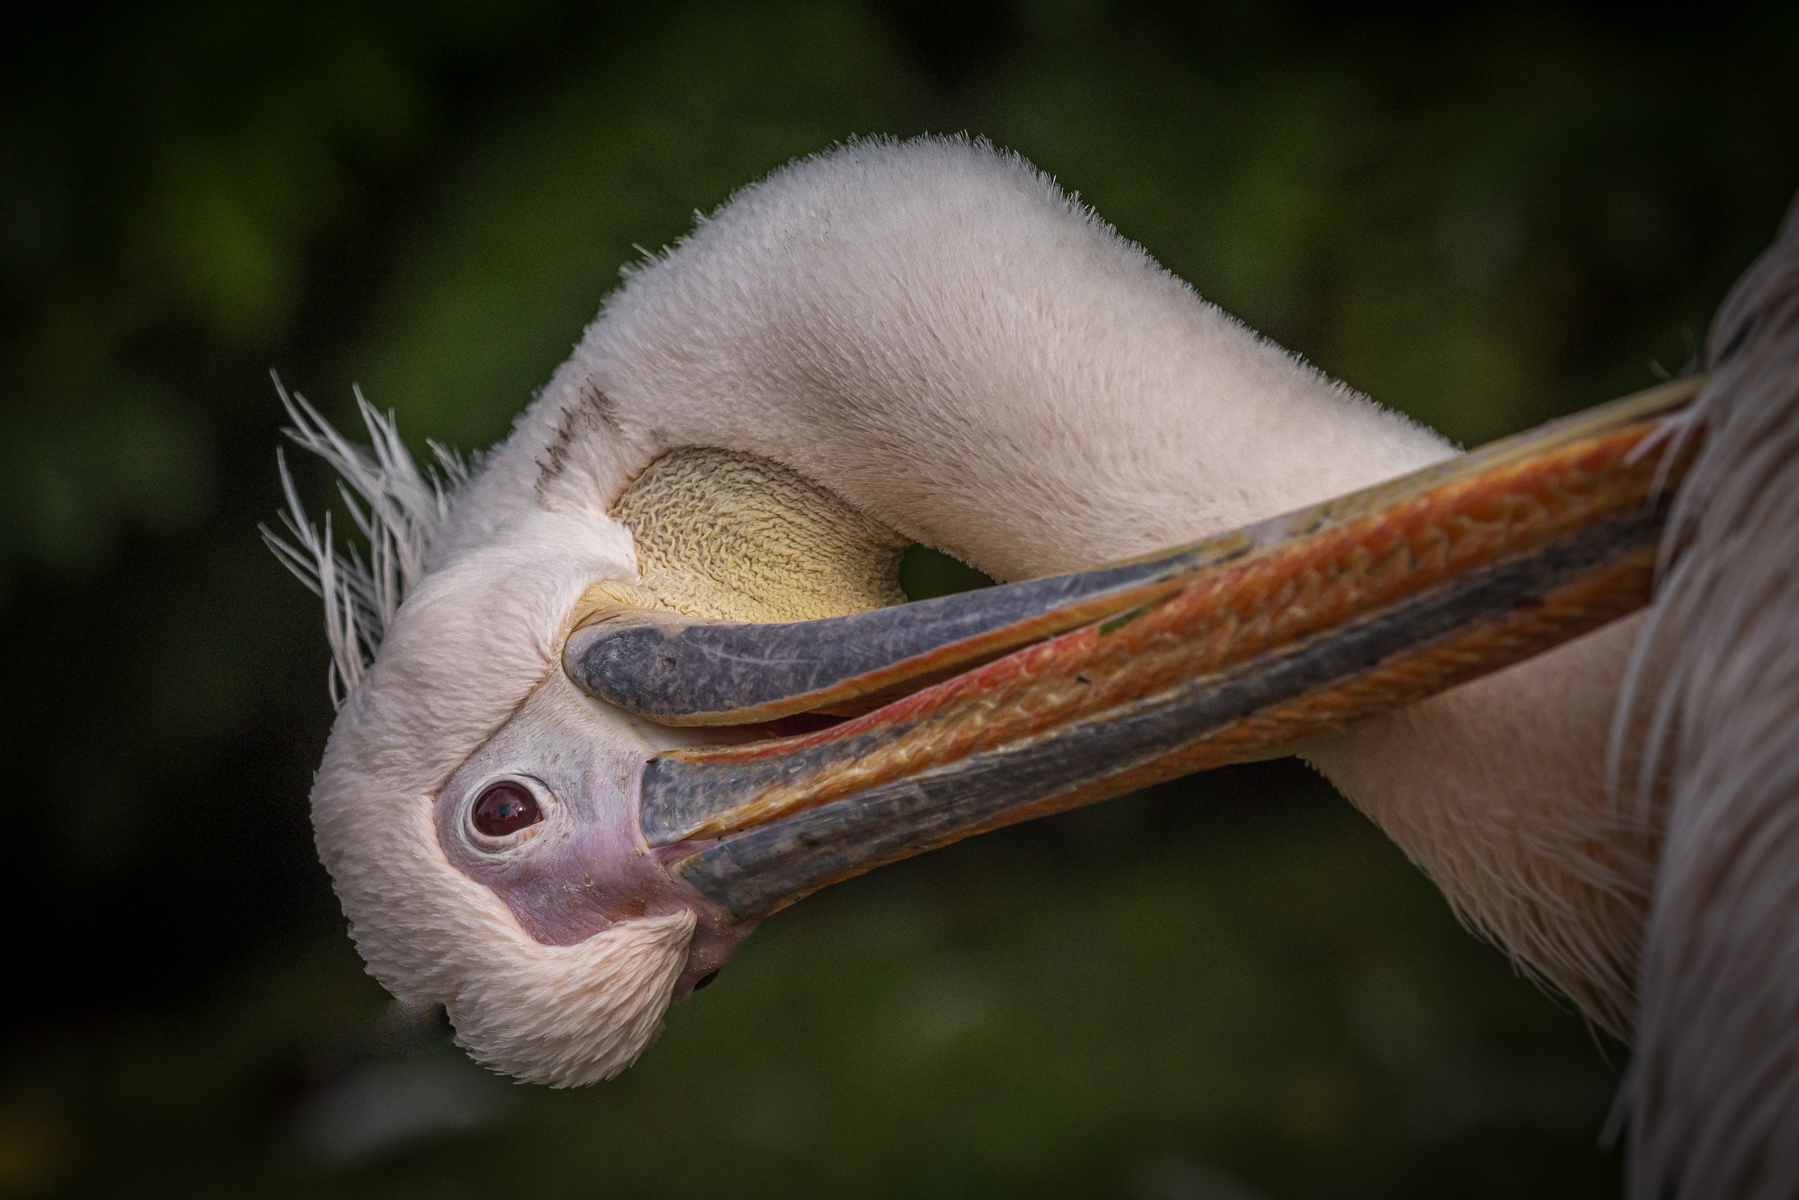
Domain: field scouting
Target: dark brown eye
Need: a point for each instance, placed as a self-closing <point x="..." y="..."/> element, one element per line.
<point x="505" y="808"/>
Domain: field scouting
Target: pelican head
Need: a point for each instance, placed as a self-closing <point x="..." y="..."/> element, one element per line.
<point x="642" y="677"/>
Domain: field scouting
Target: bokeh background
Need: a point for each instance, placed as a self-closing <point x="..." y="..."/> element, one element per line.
<point x="1231" y="987"/>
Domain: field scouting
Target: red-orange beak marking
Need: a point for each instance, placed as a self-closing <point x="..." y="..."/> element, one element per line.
<point x="1079" y="688"/>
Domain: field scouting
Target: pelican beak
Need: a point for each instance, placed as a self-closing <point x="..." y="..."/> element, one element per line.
<point x="944" y="718"/>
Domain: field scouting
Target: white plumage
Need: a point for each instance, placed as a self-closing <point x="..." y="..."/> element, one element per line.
<point x="935" y="333"/>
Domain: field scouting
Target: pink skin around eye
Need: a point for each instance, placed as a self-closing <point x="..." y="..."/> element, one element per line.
<point x="575" y="864"/>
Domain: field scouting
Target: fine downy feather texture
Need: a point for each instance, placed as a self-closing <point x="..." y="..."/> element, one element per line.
<point x="464" y="651"/>
<point x="935" y="333"/>
<point x="1713" y="1093"/>
<point x="574" y="1015"/>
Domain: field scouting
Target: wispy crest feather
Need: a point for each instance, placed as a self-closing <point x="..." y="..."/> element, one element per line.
<point x="398" y="509"/>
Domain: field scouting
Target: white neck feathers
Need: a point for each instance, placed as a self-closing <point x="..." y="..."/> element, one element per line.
<point x="934" y="331"/>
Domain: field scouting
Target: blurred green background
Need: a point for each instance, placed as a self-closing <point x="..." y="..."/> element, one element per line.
<point x="1227" y="988"/>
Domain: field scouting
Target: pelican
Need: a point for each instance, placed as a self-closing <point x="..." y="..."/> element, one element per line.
<point x="642" y="675"/>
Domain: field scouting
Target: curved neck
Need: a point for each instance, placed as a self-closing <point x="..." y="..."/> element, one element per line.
<point x="939" y="336"/>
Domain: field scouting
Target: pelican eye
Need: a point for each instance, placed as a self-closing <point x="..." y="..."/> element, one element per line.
<point x="505" y="808"/>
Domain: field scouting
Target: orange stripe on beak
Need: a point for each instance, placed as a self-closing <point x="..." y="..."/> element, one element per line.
<point x="1345" y="611"/>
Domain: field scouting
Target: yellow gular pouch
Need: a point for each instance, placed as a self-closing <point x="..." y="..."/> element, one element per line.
<point x="732" y="537"/>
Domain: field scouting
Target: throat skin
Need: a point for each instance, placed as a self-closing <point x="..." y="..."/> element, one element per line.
<point x="937" y="336"/>
<point x="732" y="537"/>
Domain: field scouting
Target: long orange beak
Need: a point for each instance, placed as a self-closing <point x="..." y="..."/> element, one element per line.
<point x="991" y="707"/>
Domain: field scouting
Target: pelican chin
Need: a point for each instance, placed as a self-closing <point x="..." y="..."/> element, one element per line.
<point x="649" y="681"/>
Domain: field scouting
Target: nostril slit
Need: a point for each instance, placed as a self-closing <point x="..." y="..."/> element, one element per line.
<point x="705" y="980"/>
